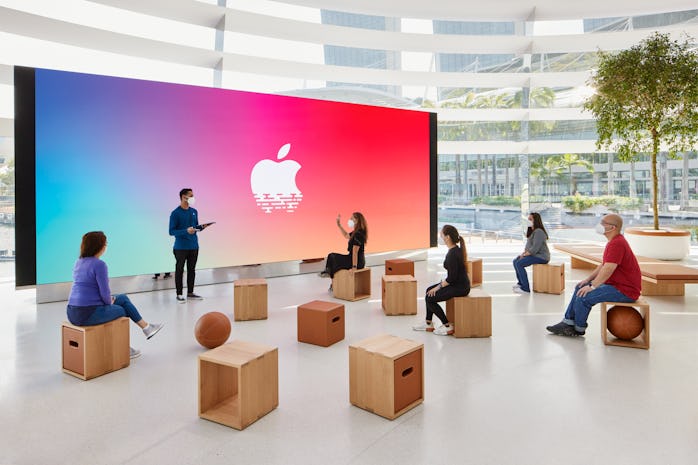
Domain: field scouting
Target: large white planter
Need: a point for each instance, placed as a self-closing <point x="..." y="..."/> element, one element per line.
<point x="662" y="244"/>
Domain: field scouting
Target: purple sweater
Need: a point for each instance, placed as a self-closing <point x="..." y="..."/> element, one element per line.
<point x="90" y="283"/>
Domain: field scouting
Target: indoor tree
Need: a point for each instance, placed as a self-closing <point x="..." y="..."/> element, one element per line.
<point x="646" y="100"/>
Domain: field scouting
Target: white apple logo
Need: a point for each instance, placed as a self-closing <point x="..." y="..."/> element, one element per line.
<point x="274" y="183"/>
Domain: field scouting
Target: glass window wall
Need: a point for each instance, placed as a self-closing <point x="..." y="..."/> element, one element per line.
<point x="486" y="191"/>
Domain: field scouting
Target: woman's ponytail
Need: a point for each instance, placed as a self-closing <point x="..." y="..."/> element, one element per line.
<point x="463" y="250"/>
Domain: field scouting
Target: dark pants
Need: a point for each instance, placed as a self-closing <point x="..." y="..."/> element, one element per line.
<point x="442" y="295"/>
<point x="338" y="261"/>
<point x="189" y="256"/>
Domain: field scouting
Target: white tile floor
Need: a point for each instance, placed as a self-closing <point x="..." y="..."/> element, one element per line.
<point x="519" y="397"/>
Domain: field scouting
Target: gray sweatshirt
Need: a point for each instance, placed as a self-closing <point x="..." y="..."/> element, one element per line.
<point x="537" y="245"/>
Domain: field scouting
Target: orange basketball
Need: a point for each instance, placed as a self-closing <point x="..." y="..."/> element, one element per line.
<point x="212" y="329"/>
<point x="624" y="322"/>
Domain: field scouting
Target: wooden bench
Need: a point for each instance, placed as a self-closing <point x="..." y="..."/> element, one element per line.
<point x="659" y="277"/>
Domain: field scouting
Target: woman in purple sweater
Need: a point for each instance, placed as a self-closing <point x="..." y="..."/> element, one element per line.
<point x="90" y="302"/>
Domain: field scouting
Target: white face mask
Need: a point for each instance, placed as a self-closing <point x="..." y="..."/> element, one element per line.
<point x="601" y="229"/>
<point x="191" y="200"/>
<point x="350" y="223"/>
<point x="530" y="223"/>
<point x="441" y="240"/>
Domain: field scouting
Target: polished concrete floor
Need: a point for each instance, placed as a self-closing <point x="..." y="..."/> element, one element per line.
<point x="519" y="397"/>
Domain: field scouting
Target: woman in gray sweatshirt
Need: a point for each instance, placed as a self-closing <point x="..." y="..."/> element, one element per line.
<point x="535" y="252"/>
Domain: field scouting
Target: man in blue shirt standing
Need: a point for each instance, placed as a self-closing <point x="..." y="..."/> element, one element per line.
<point x="183" y="226"/>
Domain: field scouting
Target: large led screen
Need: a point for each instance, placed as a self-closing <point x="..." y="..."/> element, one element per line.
<point x="272" y="171"/>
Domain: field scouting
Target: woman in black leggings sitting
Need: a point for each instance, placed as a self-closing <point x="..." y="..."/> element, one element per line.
<point x="456" y="284"/>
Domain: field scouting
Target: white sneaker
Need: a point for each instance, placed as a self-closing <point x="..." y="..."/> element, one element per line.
<point x="515" y="287"/>
<point x="152" y="329"/>
<point x="424" y="327"/>
<point x="518" y="290"/>
<point x="181" y="300"/>
<point x="444" y="330"/>
<point x="134" y="353"/>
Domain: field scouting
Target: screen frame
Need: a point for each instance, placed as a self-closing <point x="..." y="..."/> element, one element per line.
<point x="25" y="176"/>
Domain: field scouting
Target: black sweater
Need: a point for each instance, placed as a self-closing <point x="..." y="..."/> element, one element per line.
<point x="457" y="276"/>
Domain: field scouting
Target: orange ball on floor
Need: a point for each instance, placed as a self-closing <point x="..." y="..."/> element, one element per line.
<point x="624" y="322"/>
<point x="212" y="329"/>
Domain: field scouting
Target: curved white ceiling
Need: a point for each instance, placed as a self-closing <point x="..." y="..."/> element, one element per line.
<point x="499" y="10"/>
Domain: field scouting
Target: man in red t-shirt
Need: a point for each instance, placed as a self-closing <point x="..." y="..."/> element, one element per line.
<point x="616" y="279"/>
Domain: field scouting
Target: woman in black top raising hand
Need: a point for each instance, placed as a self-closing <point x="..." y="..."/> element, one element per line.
<point x="357" y="239"/>
<point x="456" y="284"/>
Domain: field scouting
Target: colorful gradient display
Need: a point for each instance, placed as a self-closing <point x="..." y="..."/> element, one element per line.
<point x="112" y="155"/>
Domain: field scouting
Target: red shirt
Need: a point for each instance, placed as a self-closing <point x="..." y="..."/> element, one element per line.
<point x="627" y="277"/>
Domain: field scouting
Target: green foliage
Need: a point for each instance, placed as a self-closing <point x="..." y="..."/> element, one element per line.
<point x="646" y="98"/>
<point x="546" y="168"/>
<point x="498" y="201"/>
<point x="649" y="89"/>
<point x="579" y="203"/>
<point x="7" y="179"/>
<point x="539" y="97"/>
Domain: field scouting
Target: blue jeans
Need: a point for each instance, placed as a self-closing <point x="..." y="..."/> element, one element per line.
<point x="122" y="306"/>
<point x="520" y="264"/>
<point x="579" y="307"/>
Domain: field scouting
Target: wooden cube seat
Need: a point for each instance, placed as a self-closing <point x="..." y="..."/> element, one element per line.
<point x="91" y="351"/>
<point x="348" y="285"/>
<point x="471" y="315"/>
<point x="399" y="266"/>
<point x="238" y="383"/>
<point x="320" y="323"/>
<point x="399" y="295"/>
<point x="386" y="375"/>
<point x="549" y="278"/>
<point x="474" y="270"/>
<point x="250" y="296"/>
<point x="642" y="341"/>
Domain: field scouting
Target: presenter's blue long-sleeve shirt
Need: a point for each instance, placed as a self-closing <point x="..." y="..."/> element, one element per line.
<point x="180" y="220"/>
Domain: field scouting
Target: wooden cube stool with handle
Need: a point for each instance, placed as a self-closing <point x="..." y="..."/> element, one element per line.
<point x="320" y="323"/>
<point x="386" y="375"/>
<point x="398" y="266"/>
<point x="91" y="351"/>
